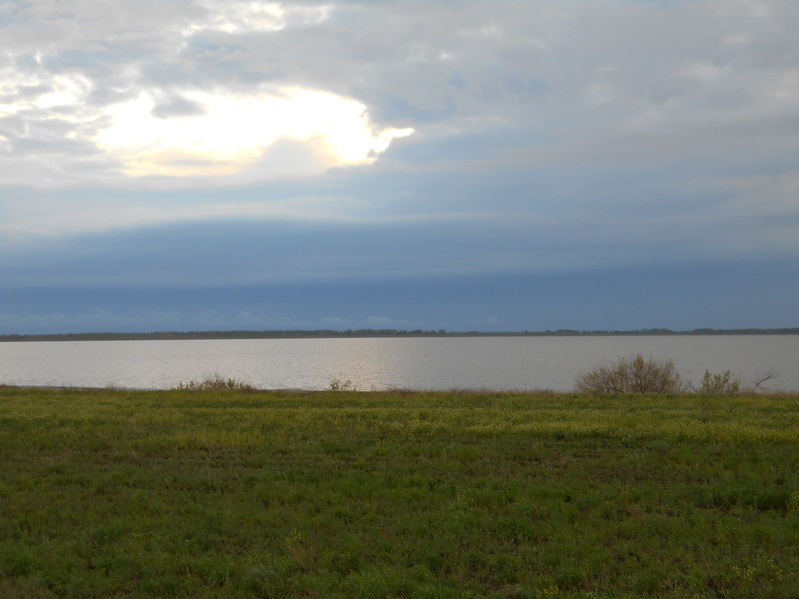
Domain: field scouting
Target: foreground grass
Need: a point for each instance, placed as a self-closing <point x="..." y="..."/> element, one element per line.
<point x="221" y="494"/>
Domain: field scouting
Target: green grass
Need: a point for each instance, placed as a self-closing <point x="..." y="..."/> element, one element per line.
<point x="339" y="494"/>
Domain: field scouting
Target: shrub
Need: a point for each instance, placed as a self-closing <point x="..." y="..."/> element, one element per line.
<point x="339" y="385"/>
<point x="632" y="375"/>
<point x="727" y="384"/>
<point x="217" y="383"/>
<point x="719" y="384"/>
<point x="757" y="385"/>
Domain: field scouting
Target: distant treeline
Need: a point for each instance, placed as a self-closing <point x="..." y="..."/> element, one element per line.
<point x="328" y="333"/>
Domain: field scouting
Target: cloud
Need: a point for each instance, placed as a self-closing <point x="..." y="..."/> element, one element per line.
<point x="176" y="105"/>
<point x="563" y="75"/>
<point x="222" y="134"/>
<point x="237" y="17"/>
<point x="691" y="296"/>
<point x="242" y="143"/>
<point x="99" y="87"/>
<point x="266" y="251"/>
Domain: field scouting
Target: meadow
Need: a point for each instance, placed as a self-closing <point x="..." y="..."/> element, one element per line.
<point x="186" y="493"/>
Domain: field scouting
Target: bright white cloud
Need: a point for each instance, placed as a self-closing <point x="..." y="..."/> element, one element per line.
<point x="241" y="17"/>
<point x="146" y="127"/>
<point x="234" y="131"/>
<point x="26" y="91"/>
<point x="227" y="132"/>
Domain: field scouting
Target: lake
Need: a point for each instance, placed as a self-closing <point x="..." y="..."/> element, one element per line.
<point x="443" y="363"/>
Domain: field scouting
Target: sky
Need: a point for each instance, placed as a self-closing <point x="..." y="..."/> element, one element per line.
<point x="176" y="165"/>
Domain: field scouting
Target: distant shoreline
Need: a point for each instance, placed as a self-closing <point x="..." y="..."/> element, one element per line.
<point x="373" y="333"/>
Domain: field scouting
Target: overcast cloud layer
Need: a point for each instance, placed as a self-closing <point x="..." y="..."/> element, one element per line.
<point x="504" y="165"/>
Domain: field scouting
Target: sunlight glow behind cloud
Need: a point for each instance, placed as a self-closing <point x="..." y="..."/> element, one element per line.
<point x="233" y="132"/>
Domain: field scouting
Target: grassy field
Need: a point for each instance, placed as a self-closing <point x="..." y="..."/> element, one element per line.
<point x="109" y="493"/>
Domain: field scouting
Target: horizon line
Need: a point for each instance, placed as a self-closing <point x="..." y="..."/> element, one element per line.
<point x="371" y="332"/>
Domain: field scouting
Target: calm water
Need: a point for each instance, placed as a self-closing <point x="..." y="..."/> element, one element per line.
<point x="498" y="363"/>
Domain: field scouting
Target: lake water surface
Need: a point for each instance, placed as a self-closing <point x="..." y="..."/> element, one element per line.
<point x="496" y="363"/>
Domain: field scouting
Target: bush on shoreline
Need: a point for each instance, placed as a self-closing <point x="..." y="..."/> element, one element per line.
<point x="632" y="375"/>
<point x="725" y="384"/>
<point x="637" y="374"/>
<point x="217" y="383"/>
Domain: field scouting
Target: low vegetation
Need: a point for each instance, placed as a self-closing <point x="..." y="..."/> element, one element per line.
<point x="217" y="383"/>
<point x="637" y="374"/>
<point x="335" y="494"/>
<point x="726" y="384"/>
<point x="339" y="385"/>
<point x="720" y="384"/>
<point x="632" y="375"/>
